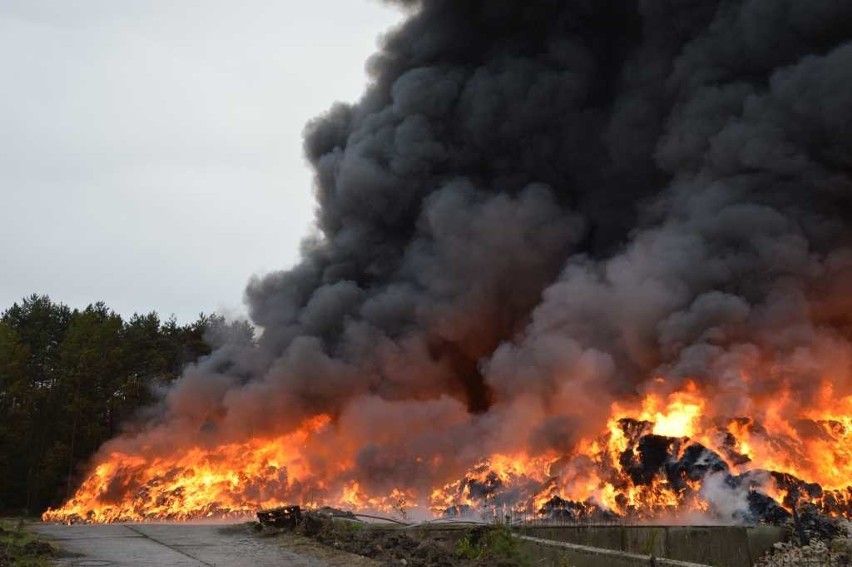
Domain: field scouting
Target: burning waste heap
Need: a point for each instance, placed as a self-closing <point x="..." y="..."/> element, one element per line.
<point x="633" y="473"/>
<point x="591" y="259"/>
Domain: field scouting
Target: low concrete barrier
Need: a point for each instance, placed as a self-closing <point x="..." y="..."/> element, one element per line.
<point x="549" y="553"/>
<point x="722" y="546"/>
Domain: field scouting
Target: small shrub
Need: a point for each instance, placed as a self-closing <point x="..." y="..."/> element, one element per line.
<point x="468" y="550"/>
<point x="490" y="544"/>
<point x="20" y="548"/>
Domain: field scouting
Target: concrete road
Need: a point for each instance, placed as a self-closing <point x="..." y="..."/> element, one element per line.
<point x="180" y="545"/>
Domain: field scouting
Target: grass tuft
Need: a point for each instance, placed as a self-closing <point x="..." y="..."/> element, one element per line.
<point x="21" y="548"/>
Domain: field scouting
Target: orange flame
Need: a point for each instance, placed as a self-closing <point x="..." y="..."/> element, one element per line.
<point x="238" y="478"/>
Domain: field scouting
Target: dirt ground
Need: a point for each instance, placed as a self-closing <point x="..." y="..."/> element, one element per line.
<point x="306" y="546"/>
<point x="385" y="546"/>
<point x="19" y="547"/>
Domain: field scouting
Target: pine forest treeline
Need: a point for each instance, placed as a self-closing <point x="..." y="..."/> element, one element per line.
<point x="70" y="379"/>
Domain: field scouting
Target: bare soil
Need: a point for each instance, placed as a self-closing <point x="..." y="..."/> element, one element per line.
<point x="384" y="546"/>
<point x="21" y="548"/>
<point x="312" y="548"/>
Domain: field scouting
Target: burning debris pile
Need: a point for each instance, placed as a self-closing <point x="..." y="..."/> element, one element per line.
<point x="584" y="258"/>
<point x="640" y="475"/>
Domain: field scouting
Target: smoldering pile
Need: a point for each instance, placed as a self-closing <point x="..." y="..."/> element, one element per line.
<point x="540" y="209"/>
<point x="662" y="478"/>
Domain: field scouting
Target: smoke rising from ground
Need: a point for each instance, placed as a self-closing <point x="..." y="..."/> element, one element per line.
<point x="538" y="208"/>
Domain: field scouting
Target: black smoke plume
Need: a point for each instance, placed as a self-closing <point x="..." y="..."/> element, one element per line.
<point x="540" y="207"/>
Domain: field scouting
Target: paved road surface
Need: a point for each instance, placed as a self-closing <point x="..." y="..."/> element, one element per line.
<point x="180" y="545"/>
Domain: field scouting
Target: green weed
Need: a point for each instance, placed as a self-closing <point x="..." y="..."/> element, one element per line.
<point x="20" y="548"/>
<point x="489" y="544"/>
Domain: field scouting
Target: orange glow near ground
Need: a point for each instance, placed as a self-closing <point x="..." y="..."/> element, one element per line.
<point x="239" y="478"/>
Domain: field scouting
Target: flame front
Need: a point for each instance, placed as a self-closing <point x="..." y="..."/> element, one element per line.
<point x="604" y="475"/>
<point x="571" y="259"/>
<point x="231" y="479"/>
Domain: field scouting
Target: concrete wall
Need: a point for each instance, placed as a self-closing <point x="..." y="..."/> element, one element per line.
<point x="548" y="553"/>
<point x="722" y="546"/>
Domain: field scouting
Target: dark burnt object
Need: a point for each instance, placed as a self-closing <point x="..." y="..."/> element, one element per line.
<point x="684" y="467"/>
<point x="570" y="511"/>
<point x="809" y="523"/>
<point x="283" y="517"/>
<point x="764" y="510"/>
<point x="483" y="489"/>
<point x="458" y="511"/>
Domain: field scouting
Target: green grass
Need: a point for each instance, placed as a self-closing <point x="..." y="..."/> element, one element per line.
<point x="21" y="548"/>
<point x="495" y="542"/>
<point x="348" y="525"/>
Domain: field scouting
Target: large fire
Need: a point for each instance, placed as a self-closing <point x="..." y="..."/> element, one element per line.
<point x="586" y="261"/>
<point x="661" y="456"/>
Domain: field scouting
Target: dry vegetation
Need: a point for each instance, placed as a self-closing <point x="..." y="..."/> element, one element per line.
<point x="20" y="548"/>
<point x="381" y="545"/>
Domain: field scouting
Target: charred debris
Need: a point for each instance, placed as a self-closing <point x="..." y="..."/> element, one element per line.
<point x="688" y="471"/>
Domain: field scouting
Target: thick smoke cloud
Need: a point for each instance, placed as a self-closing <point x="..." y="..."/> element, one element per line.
<point x="538" y="208"/>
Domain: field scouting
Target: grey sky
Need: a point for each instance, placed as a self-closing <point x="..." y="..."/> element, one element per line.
<point x="150" y="151"/>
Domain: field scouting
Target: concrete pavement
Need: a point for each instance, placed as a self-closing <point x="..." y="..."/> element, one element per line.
<point x="179" y="545"/>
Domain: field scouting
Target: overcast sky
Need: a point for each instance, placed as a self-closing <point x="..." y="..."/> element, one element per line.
<point x="150" y="150"/>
